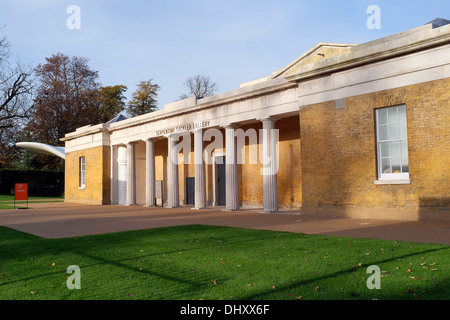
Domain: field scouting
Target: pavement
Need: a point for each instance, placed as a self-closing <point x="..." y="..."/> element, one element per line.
<point x="61" y="220"/>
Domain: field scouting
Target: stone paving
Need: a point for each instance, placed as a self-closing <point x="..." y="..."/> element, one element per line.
<point x="59" y="220"/>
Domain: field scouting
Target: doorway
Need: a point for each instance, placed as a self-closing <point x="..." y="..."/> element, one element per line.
<point x="190" y="191"/>
<point x="221" y="181"/>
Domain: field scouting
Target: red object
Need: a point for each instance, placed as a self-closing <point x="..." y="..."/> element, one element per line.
<point x="21" y="191"/>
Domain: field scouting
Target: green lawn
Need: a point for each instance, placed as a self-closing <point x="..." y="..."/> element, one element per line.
<point x="212" y="263"/>
<point x="7" y="197"/>
<point x="7" y="201"/>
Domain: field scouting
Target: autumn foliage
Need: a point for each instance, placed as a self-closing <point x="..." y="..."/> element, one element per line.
<point x="64" y="99"/>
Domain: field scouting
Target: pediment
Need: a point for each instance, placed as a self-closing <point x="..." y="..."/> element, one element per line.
<point x="321" y="51"/>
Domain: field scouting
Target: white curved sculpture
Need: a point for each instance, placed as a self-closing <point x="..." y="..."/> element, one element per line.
<point x="43" y="148"/>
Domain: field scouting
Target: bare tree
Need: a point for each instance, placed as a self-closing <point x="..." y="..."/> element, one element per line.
<point x="4" y="45"/>
<point x="199" y="86"/>
<point x="15" y="101"/>
<point x="13" y="105"/>
<point x="15" y="89"/>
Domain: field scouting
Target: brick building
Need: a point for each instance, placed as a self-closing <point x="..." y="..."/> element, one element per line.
<point x="344" y="130"/>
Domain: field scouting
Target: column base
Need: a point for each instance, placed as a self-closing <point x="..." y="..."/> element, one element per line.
<point x="199" y="208"/>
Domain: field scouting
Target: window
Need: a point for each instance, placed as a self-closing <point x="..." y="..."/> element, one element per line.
<point x="392" y="144"/>
<point x="82" y="173"/>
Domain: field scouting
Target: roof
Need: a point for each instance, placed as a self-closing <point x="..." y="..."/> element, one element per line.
<point x="321" y="60"/>
<point x="439" y="22"/>
<point x="120" y="117"/>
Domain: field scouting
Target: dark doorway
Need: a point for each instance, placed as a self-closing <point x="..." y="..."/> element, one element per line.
<point x="190" y="191"/>
<point x="221" y="185"/>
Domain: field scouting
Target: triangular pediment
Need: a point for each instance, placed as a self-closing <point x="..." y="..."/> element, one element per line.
<point x="319" y="52"/>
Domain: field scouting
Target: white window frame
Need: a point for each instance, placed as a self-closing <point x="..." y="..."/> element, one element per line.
<point x="390" y="178"/>
<point x="82" y="171"/>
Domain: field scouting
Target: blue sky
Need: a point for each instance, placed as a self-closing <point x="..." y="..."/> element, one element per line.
<point x="169" y="40"/>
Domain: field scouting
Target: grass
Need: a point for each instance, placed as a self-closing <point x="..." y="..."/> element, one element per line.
<point x="8" y="197"/>
<point x="212" y="263"/>
<point x="7" y="201"/>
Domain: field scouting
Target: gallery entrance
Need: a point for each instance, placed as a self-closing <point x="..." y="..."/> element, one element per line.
<point x="221" y="185"/>
<point x="190" y="191"/>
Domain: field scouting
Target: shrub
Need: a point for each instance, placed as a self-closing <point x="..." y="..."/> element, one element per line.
<point x="40" y="182"/>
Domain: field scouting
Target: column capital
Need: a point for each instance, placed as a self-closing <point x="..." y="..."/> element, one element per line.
<point x="269" y="118"/>
<point x="174" y="136"/>
<point x="169" y="136"/>
<point x="231" y="126"/>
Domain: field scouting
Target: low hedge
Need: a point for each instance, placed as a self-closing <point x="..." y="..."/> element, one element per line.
<point x="40" y="183"/>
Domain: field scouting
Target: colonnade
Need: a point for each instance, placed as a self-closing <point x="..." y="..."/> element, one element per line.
<point x="232" y="187"/>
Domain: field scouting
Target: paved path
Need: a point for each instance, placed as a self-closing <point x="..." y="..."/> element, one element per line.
<point x="58" y="220"/>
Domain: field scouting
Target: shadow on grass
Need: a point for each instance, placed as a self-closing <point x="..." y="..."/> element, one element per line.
<point x="177" y="282"/>
<point x="387" y="294"/>
<point x="20" y="246"/>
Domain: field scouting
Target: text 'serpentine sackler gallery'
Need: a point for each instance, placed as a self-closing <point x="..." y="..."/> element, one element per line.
<point x="347" y="130"/>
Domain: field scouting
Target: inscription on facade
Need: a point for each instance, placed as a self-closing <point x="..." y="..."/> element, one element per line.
<point x="183" y="127"/>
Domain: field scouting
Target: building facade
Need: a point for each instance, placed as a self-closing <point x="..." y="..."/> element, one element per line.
<point x="344" y="130"/>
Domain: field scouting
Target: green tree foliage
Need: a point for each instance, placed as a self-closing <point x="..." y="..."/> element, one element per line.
<point x="143" y="99"/>
<point x="111" y="101"/>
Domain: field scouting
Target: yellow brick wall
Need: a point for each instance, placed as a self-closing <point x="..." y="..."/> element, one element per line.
<point x="339" y="163"/>
<point x="249" y="175"/>
<point x="97" y="176"/>
<point x="161" y="166"/>
<point x="289" y="172"/>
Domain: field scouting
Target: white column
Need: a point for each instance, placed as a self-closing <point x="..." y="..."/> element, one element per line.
<point x="121" y="175"/>
<point x="173" y="197"/>
<point x="200" y="176"/>
<point x="114" y="176"/>
<point x="150" y="173"/>
<point x="270" y="166"/>
<point x="131" y="175"/>
<point x="231" y="170"/>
